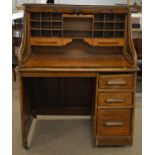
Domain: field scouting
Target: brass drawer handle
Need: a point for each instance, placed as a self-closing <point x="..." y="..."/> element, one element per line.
<point x="113" y="124"/>
<point x="112" y="82"/>
<point x="117" y="100"/>
<point x="103" y="43"/>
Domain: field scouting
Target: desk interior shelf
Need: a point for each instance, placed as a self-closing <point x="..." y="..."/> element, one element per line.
<point x="104" y="25"/>
<point x="46" y="24"/>
<point x="109" y="25"/>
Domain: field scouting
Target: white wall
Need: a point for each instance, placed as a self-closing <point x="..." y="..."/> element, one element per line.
<point x="91" y="2"/>
<point x="97" y="2"/>
<point x="16" y="3"/>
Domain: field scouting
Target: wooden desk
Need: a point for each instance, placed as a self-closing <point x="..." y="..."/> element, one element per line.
<point x="79" y="60"/>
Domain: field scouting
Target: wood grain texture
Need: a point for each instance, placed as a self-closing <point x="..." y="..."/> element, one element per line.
<point x="79" y="60"/>
<point x="117" y="99"/>
<point x="113" y="123"/>
<point x="114" y="141"/>
<point x="49" y="41"/>
<point x="116" y="81"/>
<point x="108" y="42"/>
<point x="26" y="109"/>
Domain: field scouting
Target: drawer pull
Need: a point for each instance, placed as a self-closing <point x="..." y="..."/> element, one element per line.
<point x="112" y="82"/>
<point x="117" y="100"/>
<point x="113" y="124"/>
<point x="104" y="43"/>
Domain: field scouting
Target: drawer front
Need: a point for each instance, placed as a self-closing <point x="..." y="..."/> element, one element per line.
<point x="108" y="42"/>
<point x="114" y="122"/>
<point x="46" y="41"/>
<point x="116" y="81"/>
<point x="107" y="141"/>
<point x="115" y="99"/>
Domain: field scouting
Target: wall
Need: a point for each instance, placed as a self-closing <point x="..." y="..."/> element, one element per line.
<point x="97" y="2"/>
<point x="16" y="3"/>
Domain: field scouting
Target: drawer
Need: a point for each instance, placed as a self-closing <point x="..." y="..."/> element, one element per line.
<point x="114" y="123"/>
<point x="115" y="99"/>
<point x="116" y="81"/>
<point x="108" y="42"/>
<point x="46" y="41"/>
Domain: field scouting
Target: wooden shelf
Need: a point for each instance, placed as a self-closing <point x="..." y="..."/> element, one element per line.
<point x="109" y="30"/>
<point x="40" y="20"/>
<point x="78" y="30"/>
<point x="45" y="29"/>
<point x="109" y="22"/>
<point x="78" y="25"/>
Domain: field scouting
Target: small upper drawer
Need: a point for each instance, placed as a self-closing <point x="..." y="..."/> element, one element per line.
<point x="114" y="122"/>
<point x="108" y="42"/>
<point x="116" y="81"/>
<point x="46" y="41"/>
<point x="115" y="99"/>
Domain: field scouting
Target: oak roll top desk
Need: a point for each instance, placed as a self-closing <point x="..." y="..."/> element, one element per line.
<point x="79" y="60"/>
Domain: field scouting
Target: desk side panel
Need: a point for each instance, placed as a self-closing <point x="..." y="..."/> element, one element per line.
<point x="25" y="109"/>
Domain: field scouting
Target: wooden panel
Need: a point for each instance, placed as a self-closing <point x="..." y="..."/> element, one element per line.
<point x="47" y="92"/>
<point x="116" y="81"/>
<point x="75" y="8"/>
<point x="108" y="42"/>
<point x="107" y="141"/>
<point x="74" y="111"/>
<point x="66" y="41"/>
<point x="57" y="74"/>
<point x="115" y="99"/>
<point x="46" y="41"/>
<point x="114" y="122"/>
<point x="75" y="70"/>
<point x="77" y="16"/>
<point x="62" y="95"/>
<point x="78" y="92"/>
<point x="88" y="41"/>
<point x="82" y="61"/>
<point x="78" y="24"/>
<point x="26" y="108"/>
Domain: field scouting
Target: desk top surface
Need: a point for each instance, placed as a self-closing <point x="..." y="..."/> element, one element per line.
<point x="76" y="61"/>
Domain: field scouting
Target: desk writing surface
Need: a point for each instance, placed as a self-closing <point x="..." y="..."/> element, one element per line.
<point x="76" y="54"/>
<point x="79" y="61"/>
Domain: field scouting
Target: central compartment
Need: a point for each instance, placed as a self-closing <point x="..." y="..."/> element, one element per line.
<point x="61" y="95"/>
<point x="77" y="25"/>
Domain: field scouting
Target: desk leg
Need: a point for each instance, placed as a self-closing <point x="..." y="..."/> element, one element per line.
<point x="25" y="111"/>
<point x="95" y="112"/>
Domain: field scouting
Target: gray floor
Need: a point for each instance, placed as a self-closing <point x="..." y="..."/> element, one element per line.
<point x="52" y="136"/>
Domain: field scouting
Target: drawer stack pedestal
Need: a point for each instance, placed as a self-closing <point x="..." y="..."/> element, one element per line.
<point x="115" y="109"/>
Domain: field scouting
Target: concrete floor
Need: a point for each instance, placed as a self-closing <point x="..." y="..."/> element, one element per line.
<point x="52" y="136"/>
